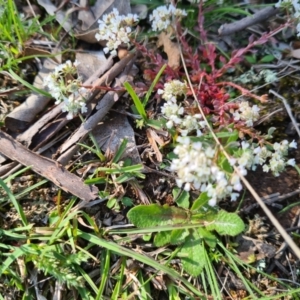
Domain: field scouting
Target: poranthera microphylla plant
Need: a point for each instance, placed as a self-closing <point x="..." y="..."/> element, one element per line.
<point x="199" y="165"/>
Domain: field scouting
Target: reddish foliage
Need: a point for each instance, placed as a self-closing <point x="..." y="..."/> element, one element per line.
<point x="210" y="91"/>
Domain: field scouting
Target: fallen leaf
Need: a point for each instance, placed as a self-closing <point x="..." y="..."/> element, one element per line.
<point x="170" y="48"/>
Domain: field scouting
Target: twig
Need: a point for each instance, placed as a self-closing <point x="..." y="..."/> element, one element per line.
<point x="239" y="25"/>
<point x="47" y="168"/>
<point x="271" y="199"/>
<point x="288" y="109"/>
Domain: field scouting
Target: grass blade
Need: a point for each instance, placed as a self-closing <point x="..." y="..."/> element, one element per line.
<point x="137" y="102"/>
<point x="14" y="202"/>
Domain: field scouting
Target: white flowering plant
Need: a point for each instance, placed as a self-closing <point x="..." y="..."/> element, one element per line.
<point x="191" y="111"/>
<point x="65" y="86"/>
<point x="117" y="30"/>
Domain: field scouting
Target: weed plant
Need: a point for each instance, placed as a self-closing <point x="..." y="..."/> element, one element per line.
<point x="212" y="143"/>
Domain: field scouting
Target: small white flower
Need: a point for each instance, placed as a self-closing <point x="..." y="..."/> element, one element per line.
<point x="69" y="92"/>
<point x="116" y="30"/>
<point x="246" y="113"/>
<point x="212" y="202"/>
<point x="162" y="16"/>
<point x="234" y="196"/>
<point x="293" y="144"/>
<point x="266" y="168"/>
<point x="291" y="162"/>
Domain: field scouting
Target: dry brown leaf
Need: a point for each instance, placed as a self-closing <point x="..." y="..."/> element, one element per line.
<point x="152" y="138"/>
<point x="295" y="53"/>
<point x="170" y="48"/>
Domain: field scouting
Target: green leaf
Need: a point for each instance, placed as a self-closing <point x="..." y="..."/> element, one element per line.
<point x="250" y="59"/>
<point x="12" y="257"/>
<point x="181" y="197"/>
<point x="146" y="99"/>
<point x="162" y="238"/>
<point x="227" y="223"/>
<point x="268" y="58"/>
<point x="137" y="102"/>
<point x="270" y="132"/>
<point x="111" y="202"/>
<point x="33" y="88"/>
<point x="126" y="201"/>
<point x="234" y="137"/>
<point x="201" y="201"/>
<point x="14" y="201"/>
<point x="178" y="236"/>
<point x="120" y="151"/>
<point x="225" y="165"/>
<point x="154" y="215"/>
<point x="192" y="254"/>
<point x="122" y="251"/>
<point x="156" y="124"/>
<point x="209" y="238"/>
<point x="96" y="180"/>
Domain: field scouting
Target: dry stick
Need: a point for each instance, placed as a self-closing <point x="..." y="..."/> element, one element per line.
<point x="277" y="225"/>
<point x="271" y="199"/>
<point x="47" y="168"/>
<point x="258" y="17"/>
<point x="288" y="109"/>
<point x="105" y="104"/>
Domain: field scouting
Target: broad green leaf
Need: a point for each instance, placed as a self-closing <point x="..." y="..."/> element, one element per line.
<point x="209" y="238"/>
<point x="226" y="223"/>
<point x="181" y="197"/>
<point x="192" y="254"/>
<point x="178" y="236"/>
<point x="250" y="59"/>
<point x="154" y="215"/>
<point x="162" y="238"/>
<point x="268" y="58"/>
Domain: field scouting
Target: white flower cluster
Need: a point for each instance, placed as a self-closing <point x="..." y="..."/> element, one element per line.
<point x="162" y="17"/>
<point x="295" y="5"/>
<point x="274" y="161"/>
<point x="116" y="30"/>
<point x="68" y="91"/>
<point x="175" y="112"/>
<point x="195" y="165"/>
<point x="247" y="113"/>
